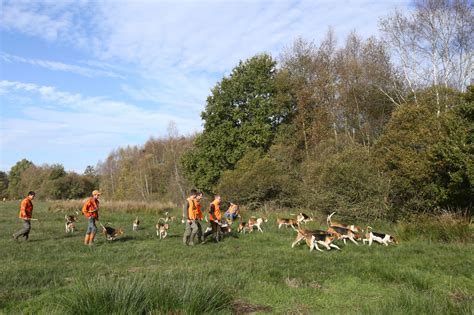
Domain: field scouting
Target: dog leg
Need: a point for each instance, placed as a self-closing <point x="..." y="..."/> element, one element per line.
<point x="353" y="241"/>
<point x="279" y="225"/>
<point x="316" y="246"/>
<point x="334" y="246"/>
<point x="371" y="241"/>
<point x="259" y="228"/>
<point x="325" y="245"/>
<point x="344" y="239"/>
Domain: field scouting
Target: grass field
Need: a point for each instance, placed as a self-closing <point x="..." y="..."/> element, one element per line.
<point x="55" y="273"/>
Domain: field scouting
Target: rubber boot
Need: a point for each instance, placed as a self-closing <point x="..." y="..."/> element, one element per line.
<point x="91" y="238"/>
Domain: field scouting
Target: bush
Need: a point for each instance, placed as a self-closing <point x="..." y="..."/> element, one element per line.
<point x="344" y="178"/>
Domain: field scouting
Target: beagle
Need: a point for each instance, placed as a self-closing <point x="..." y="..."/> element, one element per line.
<point x="381" y="238"/>
<point x="111" y="233"/>
<point x="303" y="218"/>
<point x="136" y="223"/>
<point x="70" y="223"/>
<point x="341" y="233"/>
<point x="287" y="222"/>
<point x="256" y="222"/>
<point x="353" y="228"/>
<point x="313" y="238"/>
<point x="162" y="229"/>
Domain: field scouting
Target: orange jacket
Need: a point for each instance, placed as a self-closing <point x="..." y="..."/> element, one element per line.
<point x="26" y="209"/>
<point x="198" y="210"/>
<point x="89" y="207"/>
<point x="217" y="211"/>
<point x="192" y="209"/>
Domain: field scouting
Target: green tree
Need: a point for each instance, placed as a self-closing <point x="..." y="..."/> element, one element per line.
<point x="3" y="184"/>
<point x="419" y="146"/>
<point x="14" y="178"/>
<point x="242" y="113"/>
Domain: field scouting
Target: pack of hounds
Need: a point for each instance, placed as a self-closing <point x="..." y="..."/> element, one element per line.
<point x="336" y="231"/>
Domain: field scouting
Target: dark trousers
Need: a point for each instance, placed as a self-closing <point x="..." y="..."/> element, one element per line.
<point x="215" y="230"/>
<point x="25" y="231"/>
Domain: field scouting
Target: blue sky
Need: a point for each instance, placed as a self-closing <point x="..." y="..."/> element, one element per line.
<point x="81" y="78"/>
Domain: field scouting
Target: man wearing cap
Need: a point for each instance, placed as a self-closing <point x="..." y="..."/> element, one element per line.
<point x="91" y="211"/>
<point x="26" y="212"/>
<point x="189" y="218"/>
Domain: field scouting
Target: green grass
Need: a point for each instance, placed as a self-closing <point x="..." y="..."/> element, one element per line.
<point x="55" y="273"/>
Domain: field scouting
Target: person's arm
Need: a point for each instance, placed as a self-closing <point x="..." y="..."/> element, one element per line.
<point x="212" y="209"/>
<point x="185" y="211"/>
<point x="23" y="210"/>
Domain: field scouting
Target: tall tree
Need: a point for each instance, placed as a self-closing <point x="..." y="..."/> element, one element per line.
<point x="14" y="178"/>
<point x="241" y="114"/>
<point x="3" y="184"/>
<point x="434" y="44"/>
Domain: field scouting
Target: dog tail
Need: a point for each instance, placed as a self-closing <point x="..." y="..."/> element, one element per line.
<point x="328" y="220"/>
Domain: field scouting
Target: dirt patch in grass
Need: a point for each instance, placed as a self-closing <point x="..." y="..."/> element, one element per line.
<point x="241" y="307"/>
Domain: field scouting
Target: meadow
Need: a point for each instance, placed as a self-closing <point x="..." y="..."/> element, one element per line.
<point x="429" y="272"/>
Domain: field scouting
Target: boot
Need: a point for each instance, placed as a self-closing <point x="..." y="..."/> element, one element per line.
<point x="87" y="239"/>
<point x="91" y="238"/>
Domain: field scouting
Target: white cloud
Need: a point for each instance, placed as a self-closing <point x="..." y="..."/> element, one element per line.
<point x="59" y="66"/>
<point x="95" y="125"/>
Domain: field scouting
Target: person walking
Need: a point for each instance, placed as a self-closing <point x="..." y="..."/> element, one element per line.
<point x="215" y="218"/>
<point x="26" y="213"/>
<point x="189" y="218"/>
<point x="91" y="211"/>
<point x="198" y="220"/>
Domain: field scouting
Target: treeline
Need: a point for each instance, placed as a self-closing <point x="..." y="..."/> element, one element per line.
<point x="48" y="181"/>
<point x="373" y="128"/>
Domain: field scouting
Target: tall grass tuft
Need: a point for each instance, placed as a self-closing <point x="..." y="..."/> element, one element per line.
<point x="162" y="294"/>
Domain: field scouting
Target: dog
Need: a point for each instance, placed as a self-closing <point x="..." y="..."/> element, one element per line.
<point x="353" y="228"/>
<point x="70" y="223"/>
<point x="243" y="226"/>
<point x="111" y="233"/>
<point x="341" y="233"/>
<point x="303" y="218"/>
<point x="256" y="222"/>
<point x="381" y="238"/>
<point x="287" y="222"/>
<point x="136" y="223"/>
<point x="313" y="238"/>
<point x="162" y="230"/>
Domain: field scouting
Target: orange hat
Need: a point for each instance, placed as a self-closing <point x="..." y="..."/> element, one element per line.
<point x="95" y="193"/>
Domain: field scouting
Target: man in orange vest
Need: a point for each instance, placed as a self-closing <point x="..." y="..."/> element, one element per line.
<point x="215" y="218"/>
<point x="198" y="220"/>
<point x="26" y="213"/>
<point x="91" y="211"/>
<point x="189" y="218"/>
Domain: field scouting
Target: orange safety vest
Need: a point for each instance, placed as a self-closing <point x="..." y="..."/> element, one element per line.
<point x="217" y="211"/>
<point x="198" y="210"/>
<point x="192" y="213"/>
<point x="90" y="205"/>
<point x="26" y="209"/>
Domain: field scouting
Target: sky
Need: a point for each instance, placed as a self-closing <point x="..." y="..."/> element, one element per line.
<point x="79" y="78"/>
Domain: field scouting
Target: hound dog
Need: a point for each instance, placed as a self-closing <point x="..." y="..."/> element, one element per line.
<point x="315" y="237"/>
<point x="303" y="218"/>
<point x="111" y="233"/>
<point x="70" y="223"/>
<point x="381" y="238"/>
<point x="353" y="228"/>
<point x="136" y="223"/>
<point x="256" y="222"/>
<point x="342" y="233"/>
<point x="162" y="229"/>
<point x="287" y="222"/>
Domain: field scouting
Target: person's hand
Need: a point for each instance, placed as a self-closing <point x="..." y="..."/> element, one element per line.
<point x="189" y="221"/>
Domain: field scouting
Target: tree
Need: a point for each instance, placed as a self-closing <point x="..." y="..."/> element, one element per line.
<point x="14" y="178"/>
<point x="241" y="114"/>
<point x="434" y="44"/>
<point x="3" y="184"/>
